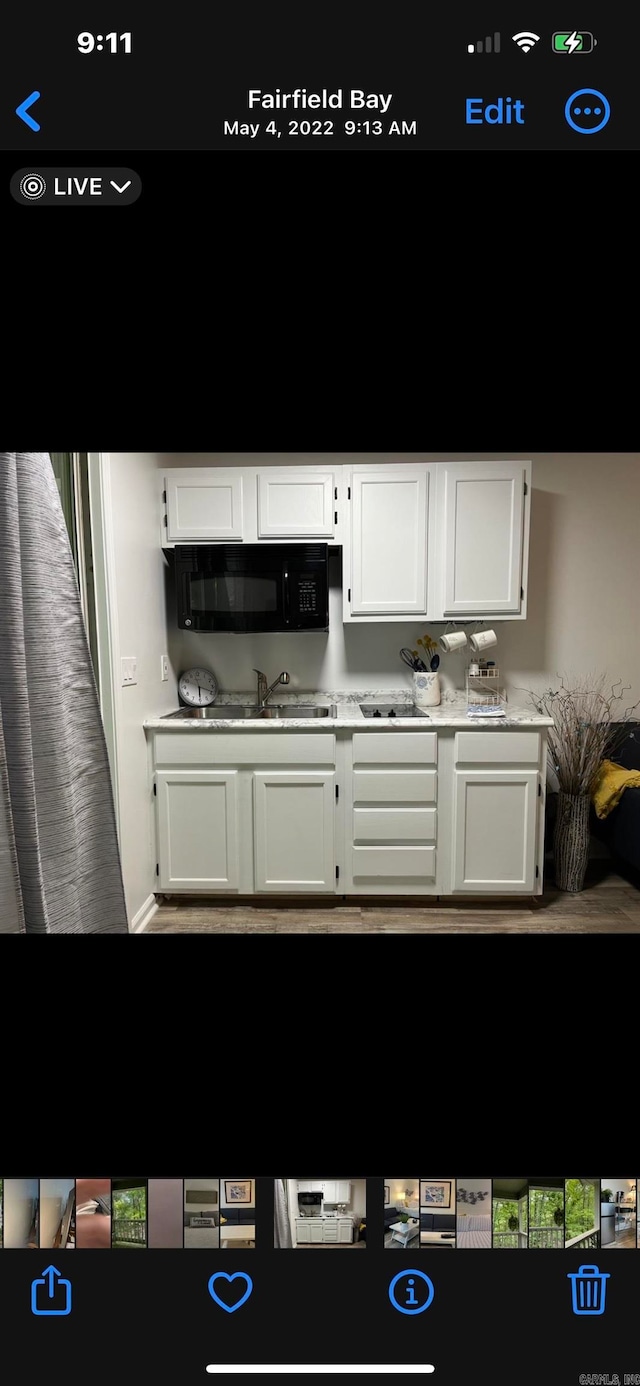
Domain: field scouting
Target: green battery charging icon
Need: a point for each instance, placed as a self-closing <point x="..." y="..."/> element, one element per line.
<point x="578" y="41"/>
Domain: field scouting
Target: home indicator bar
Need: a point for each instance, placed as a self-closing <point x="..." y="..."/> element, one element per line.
<point x="320" y="1370"/>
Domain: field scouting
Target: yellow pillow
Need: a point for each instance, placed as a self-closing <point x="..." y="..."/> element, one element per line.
<point x="222" y="1219"/>
<point x="611" y="782"/>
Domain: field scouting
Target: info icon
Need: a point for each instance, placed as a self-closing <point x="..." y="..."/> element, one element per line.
<point x="411" y="1292"/>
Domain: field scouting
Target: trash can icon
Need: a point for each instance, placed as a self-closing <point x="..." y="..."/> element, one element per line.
<point x="588" y="1289"/>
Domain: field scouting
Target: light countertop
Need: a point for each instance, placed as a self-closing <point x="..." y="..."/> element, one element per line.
<point x="452" y="712"/>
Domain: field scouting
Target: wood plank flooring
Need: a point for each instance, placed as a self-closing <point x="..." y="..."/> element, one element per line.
<point x="609" y="904"/>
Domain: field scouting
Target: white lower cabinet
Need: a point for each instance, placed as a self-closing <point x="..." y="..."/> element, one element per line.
<point x="419" y="813"/>
<point x="293" y="813"/>
<point x="345" y="1230"/>
<point x="494" y="847"/>
<point x="392" y="809"/>
<point x="197" y="826"/>
<point x="230" y="827"/>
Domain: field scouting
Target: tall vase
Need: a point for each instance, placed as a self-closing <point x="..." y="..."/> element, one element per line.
<point x="571" y="841"/>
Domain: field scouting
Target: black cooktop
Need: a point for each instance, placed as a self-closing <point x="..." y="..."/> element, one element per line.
<point x="392" y="710"/>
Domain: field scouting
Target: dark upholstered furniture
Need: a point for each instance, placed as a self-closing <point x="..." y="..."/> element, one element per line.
<point x="437" y="1222"/>
<point x="238" y="1215"/>
<point x="392" y="1215"/>
<point x="620" y="830"/>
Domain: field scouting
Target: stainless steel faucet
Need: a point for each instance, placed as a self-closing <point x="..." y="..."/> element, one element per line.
<point x="263" y="691"/>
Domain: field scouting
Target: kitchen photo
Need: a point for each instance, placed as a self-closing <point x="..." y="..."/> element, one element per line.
<point x="320" y="1213"/>
<point x="618" y="1228"/>
<point x="319" y="693"/>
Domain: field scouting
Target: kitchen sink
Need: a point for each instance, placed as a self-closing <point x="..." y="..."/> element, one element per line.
<point x="233" y="712"/>
<point x="296" y="710"/>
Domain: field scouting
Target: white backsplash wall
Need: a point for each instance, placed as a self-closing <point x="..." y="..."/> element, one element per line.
<point x="584" y="577"/>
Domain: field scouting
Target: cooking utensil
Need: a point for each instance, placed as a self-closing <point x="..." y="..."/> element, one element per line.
<point x="413" y="661"/>
<point x="435" y="663"/>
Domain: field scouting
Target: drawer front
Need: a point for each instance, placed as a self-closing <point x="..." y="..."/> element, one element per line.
<point x="394" y="825"/>
<point x="498" y="747"/>
<point x="393" y="863"/>
<point x="395" y="786"/>
<point x="245" y="748"/>
<point x="395" y="748"/>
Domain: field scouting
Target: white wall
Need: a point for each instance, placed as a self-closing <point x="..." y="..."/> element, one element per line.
<point x="584" y="576"/>
<point x="358" y="1197"/>
<point x="482" y="1205"/>
<point x="141" y="630"/>
<point x="54" y="1194"/>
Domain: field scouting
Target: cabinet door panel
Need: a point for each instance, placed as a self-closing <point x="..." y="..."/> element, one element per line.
<point x="203" y="504"/>
<point x="495" y="830"/>
<point x="296" y="505"/>
<point x="294" y="830"/>
<point x="197" y="830"/>
<point x="389" y="542"/>
<point x="483" y="537"/>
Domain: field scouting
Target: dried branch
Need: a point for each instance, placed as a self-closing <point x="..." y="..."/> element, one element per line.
<point x="587" y="727"/>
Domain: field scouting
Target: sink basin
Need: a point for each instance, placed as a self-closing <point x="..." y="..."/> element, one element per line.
<point x="287" y="710"/>
<point x="234" y="712"/>
<point x="213" y="712"/>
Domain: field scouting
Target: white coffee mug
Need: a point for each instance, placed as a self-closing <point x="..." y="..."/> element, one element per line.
<point x="455" y="640"/>
<point x="426" y="690"/>
<point x="483" y="640"/>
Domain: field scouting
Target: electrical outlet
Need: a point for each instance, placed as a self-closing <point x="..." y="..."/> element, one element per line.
<point x="129" y="671"/>
<point x="164" y="668"/>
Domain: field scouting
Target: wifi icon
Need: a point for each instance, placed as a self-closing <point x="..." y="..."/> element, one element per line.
<point x="526" y="40"/>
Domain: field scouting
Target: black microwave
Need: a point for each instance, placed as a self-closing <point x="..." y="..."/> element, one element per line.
<point x="252" y="587"/>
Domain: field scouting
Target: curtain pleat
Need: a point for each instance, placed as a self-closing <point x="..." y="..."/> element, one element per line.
<point x="58" y="847"/>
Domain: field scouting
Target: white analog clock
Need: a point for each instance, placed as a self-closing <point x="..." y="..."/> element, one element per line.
<point x="197" y="687"/>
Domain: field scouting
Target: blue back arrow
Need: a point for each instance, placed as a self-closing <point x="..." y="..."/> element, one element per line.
<point x="23" y="108"/>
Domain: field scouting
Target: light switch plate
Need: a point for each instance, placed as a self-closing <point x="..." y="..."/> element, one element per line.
<point x="129" y="670"/>
<point x="164" y="668"/>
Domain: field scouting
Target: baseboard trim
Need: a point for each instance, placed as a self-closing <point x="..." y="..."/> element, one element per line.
<point x="144" y="916"/>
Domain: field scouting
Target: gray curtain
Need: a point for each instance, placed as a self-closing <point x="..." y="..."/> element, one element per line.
<point x="59" y="861"/>
<point x="281" y="1225"/>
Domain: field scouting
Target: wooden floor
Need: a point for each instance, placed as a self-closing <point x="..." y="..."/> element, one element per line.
<point x="608" y="905"/>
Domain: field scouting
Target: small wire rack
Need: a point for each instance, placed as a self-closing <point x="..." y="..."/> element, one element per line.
<point x="485" y="688"/>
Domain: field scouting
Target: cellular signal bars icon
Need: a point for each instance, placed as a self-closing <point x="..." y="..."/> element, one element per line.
<point x="487" y="45"/>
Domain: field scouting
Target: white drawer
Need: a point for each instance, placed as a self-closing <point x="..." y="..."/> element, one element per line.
<point x="395" y="748"/>
<point x="394" y="825"/>
<point x="245" y="748"/>
<point x="395" y="786"/>
<point x="498" y="747"/>
<point x="393" y="863"/>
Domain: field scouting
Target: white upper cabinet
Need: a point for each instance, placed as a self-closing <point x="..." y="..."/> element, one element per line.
<point x="203" y="504"/>
<point x="296" y="505"/>
<point x="388" y="542"/>
<point x="483" y="537"/>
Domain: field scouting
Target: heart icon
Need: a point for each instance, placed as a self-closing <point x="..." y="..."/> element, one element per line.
<point x="222" y="1275"/>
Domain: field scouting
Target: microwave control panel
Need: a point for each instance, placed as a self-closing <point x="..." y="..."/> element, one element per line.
<point x="307" y="594"/>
